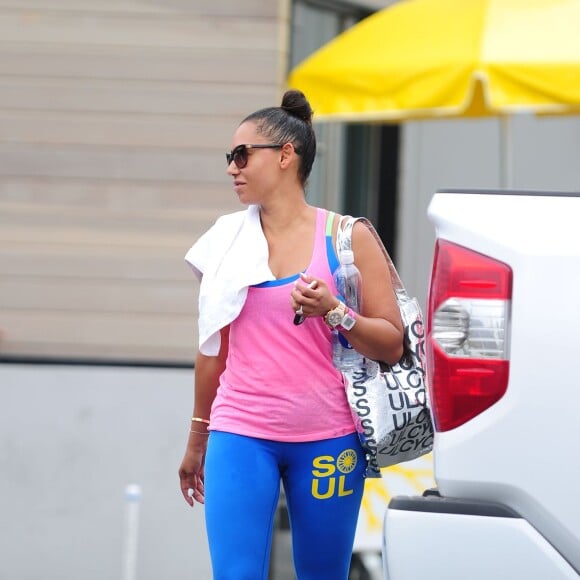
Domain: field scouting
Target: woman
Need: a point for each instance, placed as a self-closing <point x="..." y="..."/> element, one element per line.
<point x="269" y="406"/>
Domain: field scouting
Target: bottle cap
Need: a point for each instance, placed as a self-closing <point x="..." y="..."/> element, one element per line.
<point x="347" y="257"/>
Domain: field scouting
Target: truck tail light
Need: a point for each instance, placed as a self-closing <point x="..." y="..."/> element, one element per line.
<point x="468" y="320"/>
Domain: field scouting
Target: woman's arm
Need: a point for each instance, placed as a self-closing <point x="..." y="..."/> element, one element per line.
<point x="207" y="373"/>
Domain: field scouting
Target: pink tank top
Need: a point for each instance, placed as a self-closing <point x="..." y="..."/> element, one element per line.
<point x="279" y="382"/>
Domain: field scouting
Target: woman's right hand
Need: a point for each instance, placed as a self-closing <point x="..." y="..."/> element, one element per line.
<point x="191" y="473"/>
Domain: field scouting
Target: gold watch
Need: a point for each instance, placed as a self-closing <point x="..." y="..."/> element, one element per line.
<point x="334" y="317"/>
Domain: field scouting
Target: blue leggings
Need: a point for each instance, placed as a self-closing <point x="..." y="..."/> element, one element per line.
<point x="323" y="482"/>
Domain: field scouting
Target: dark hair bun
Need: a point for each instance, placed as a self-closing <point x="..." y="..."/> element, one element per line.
<point x="296" y="104"/>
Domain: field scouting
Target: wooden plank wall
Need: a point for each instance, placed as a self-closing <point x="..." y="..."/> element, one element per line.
<point x="114" y="119"/>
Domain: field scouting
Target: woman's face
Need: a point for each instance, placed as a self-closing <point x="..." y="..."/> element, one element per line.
<point x="260" y="175"/>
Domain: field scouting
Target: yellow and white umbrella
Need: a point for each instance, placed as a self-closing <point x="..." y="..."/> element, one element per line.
<point x="420" y="59"/>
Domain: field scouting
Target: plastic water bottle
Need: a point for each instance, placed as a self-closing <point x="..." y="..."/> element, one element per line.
<point x="349" y="285"/>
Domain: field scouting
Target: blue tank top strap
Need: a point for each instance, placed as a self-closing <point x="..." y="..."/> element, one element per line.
<point x="330" y="252"/>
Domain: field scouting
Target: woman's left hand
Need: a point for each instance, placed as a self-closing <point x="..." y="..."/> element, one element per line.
<point x="311" y="297"/>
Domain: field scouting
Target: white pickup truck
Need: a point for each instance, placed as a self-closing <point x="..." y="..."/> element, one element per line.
<point x="503" y="351"/>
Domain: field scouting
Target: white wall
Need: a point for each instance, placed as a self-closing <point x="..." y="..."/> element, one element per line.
<point x="71" y="439"/>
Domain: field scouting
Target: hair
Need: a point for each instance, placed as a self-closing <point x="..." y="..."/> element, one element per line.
<point x="291" y="122"/>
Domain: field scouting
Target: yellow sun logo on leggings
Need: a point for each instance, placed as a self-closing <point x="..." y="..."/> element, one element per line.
<point x="346" y="461"/>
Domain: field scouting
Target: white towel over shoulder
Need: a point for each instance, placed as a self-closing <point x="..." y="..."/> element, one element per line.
<point x="231" y="256"/>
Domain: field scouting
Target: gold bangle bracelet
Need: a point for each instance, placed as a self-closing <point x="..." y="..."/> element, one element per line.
<point x="199" y="432"/>
<point x="200" y="420"/>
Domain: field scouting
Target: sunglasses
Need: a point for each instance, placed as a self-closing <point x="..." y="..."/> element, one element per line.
<point x="239" y="154"/>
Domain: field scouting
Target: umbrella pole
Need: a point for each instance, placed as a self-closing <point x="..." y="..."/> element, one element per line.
<point x="506" y="161"/>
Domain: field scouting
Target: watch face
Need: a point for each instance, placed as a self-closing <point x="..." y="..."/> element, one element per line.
<point x="348" y="322"/>
<point x="334" y="318"/>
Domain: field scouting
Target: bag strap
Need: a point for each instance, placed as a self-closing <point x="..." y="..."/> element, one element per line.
<point x="329" y="222"/>
<point x="344" y="242"/>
